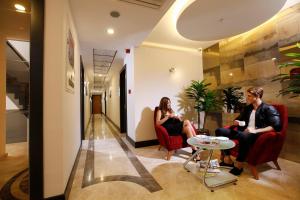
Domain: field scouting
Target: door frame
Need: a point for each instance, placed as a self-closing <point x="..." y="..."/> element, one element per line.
<point x="82" y="99"/>
<point x="36" y="158"/>
<point x="123" y="100"/>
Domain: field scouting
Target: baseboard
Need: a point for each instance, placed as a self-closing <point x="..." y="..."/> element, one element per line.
<point x="58" y="197"/>
<point x="72" y="175"/>
<point x="70" y="181"/>
<point x="142" y="143"/>
<point x="87" y="125"/>
<point x="113" y="123"/>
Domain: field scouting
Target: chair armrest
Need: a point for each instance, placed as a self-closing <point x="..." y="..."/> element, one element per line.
<point x="163" y="131"/>
<point x="266" y="148"/>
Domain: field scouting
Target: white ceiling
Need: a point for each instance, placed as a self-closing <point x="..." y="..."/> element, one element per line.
<point x="92" y="18"/>
<point x="212" y="20"/>
<point x="165" y="32"/>
<point x="139" y="24"/>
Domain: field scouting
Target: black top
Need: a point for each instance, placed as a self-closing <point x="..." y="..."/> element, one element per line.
<point x="265" y="115"/>
<point x="173" y="125"/>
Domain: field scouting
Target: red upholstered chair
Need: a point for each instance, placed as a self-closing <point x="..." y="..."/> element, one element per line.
<point x="171" y="143"/>
<point x="268" y="145"/>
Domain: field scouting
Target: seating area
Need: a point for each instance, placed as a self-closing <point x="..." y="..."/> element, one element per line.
<point x="266" y="148"/>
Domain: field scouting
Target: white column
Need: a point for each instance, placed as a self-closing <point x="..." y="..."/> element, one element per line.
<point x="2" y="97"/>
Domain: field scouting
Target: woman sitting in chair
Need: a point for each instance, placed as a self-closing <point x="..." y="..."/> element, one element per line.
<point x="174" y="125"/>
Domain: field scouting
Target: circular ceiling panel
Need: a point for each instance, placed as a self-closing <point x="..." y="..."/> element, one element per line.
<point x="207" y="20"/>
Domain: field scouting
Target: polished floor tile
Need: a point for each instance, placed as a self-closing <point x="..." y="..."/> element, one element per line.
<point x="112" y="163"/>
<point x="14" y="172"/>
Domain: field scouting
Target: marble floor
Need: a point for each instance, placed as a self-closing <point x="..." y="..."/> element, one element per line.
<point x="14" y="172"/>
<point x="110" y="168"/>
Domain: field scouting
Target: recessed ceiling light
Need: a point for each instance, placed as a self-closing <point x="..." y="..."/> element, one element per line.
<point x="20" y="7"/>
<point x="115" y="14"/>
<point x="110" y="31"/>
<point x="230" y="74"/>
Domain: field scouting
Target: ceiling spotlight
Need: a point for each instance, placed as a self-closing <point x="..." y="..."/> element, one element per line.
<point x="230" y="74"/>
<point x="110" y="31"/>
<point x="20" y="8"/>
<point x="115" y="14"/>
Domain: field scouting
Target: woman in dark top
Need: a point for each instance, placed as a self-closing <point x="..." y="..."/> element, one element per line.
<point x="174" y="125"/>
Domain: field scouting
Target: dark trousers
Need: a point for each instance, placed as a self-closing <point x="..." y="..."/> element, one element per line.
<point x="245" y="141"/>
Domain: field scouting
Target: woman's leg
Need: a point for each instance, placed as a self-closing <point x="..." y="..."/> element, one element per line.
<point x="187" y="123"/>
<point x="189" y="131"/>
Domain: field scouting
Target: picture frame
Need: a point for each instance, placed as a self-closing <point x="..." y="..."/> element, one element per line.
<point x="70" y="68"/>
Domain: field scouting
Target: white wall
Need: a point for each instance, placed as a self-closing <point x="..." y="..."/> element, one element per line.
<point x="152" y="80"/>
<point x="22" y="47"/>
<point x="129" y="61"/>
<point x="61" y="109"/>
<point x="113" y="88"/>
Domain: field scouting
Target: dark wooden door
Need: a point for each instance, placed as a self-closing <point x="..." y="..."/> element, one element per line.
<point x="96" y="104"/>
<point x="123" y="101"/>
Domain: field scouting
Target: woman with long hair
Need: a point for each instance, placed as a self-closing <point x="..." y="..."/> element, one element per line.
<point x="174" y="125"/>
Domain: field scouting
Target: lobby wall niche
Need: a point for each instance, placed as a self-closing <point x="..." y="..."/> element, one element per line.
<point x="252" y="59"/>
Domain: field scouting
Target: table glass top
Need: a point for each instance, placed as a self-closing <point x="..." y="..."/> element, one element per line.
<point x="210" y="142"/>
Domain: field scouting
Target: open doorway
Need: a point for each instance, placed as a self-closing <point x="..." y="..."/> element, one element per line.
<point x="14" y="106"/>
<point x="21" y="99"/>
<point x="123" y="101"/>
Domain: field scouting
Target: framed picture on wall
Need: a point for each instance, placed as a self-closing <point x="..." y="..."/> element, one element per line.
<point x="70" y="69"/>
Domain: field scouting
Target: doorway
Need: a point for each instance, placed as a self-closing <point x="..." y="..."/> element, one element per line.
<point x="96" y="104"/>
<point x="23" y="84"/>
<point x="82" y="111"/>
<point x="123" y="101"/>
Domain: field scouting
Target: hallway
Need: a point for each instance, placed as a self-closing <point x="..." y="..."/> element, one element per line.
<point x="110" y="168"/>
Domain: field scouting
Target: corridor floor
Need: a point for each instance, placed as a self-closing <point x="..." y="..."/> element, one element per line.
<point x="110" y="168"/>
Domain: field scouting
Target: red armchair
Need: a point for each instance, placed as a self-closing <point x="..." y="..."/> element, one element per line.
<point x="268" y="145"/>
<point x="171" y="143"/>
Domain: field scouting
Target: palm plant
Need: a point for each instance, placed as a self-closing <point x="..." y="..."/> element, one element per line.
<point x="293" y="78"/>
<point x="205" y="99"/>
<point x="232" y="98"/>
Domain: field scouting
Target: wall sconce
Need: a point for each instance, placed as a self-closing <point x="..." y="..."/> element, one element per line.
<point x="172" y="69"/>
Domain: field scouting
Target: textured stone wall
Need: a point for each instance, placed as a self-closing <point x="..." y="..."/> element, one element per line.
<point x="252" y="58"/>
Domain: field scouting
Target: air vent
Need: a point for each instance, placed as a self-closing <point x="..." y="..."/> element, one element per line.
<point x="147" y="3"/>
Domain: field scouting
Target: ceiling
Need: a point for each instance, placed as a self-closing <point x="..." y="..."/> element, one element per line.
<point x="165" y="32"/>
<point x="206" y="20"/>
<point x="131" y="28"/>
<point x="158" y="27"/>
<point x="15" y="25"/>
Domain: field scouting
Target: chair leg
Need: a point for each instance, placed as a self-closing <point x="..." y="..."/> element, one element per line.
<point x="276" y="164"/>
<point x="169" y="154"/>
<point x="159" y="147"/>
<point x="254" y="171"/>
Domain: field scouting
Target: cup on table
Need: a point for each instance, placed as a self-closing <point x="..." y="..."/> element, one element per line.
<point x="241" y="123"/>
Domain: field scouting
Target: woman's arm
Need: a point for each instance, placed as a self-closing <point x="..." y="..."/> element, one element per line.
<point x="160" y="121"/>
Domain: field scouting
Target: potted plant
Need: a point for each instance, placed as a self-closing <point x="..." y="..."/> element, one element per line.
<point x="292" y="78"/>
<point x="233" y="101"/>
<point x="233" y="98"/>
<point x="205" y="99"/>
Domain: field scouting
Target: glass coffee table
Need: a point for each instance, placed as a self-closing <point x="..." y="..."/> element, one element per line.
<point x="210" y="180"/>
